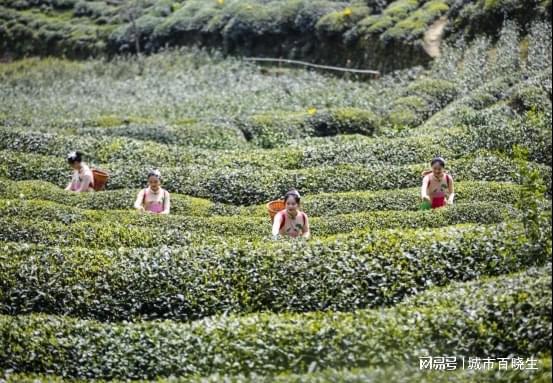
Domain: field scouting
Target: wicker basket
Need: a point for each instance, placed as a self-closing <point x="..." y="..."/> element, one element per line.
<point x="100" y="179"/>
<point x="274" y="207"/>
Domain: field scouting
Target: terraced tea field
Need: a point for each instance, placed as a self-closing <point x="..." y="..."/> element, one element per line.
<point x="91" y="289"/>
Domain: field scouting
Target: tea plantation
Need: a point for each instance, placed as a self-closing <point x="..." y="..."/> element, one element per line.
<point x="92" y="290"/>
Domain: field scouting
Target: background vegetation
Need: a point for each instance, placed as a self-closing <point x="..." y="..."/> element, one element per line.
<point x="91" y="290"/>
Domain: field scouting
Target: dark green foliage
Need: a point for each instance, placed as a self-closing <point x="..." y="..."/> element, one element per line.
<point x="370" y="268"/>
<point x="34" y="32"/>
<point x="93" y="290"/>
<point x="486" y="16"/>
<point x="201" y="135"/>
<point x="248" y="185"/>
<point x="499" y="127"/>
<point x="531" y="192"/>
<point x="314" y="29"/>
<point x="43" y="223"/>
<point x="108" y="200"/>
<point x="420" y="100"/>
<point x="405" y="372"/>
<point x="324" y="204"/>
<point x="455" y="321"/>
<point x="273" y="129"/>
<point x="104" y="149"/>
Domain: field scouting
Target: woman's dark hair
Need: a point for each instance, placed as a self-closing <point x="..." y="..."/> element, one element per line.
<point x="74" y="157"/>
<point x="154" y="173"/>
<point x="292" y="193"/>
<point x="438" y="160"/>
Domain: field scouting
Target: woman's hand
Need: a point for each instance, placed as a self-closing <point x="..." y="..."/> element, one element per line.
<point x="426" y="198"/>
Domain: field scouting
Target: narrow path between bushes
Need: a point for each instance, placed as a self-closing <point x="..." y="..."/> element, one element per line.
<point x="433" y="37"/>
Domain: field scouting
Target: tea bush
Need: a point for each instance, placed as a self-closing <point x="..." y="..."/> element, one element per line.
<point x="399" y="373"/>
<point x="248" y="185"/>
<point x="122" y="149"/>
<point x="484" y="16"/>
<point x="270" y="130"/>
<point x="452" y="321"/>
<point x="90" y="289"/>
<point x="367" y="269"/>
<point x="208" y="136"/>
<point x="32" y="214"/>
<point x="324" y="204"/>
<point x="108" y="200"/>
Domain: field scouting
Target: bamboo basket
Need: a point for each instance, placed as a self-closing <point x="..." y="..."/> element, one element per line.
<point x="274" y="207"/>
<point x="100" y="179"/>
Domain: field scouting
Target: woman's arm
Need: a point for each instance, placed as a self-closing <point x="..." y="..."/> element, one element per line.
<point x="138" y="204"/>
<point x="70" y="184"/>
<point x="424" y="188"/>
<point x="451" y="189"/>
<point x="276" y="225"/>
<point x="306" y="230"/>
<point x="166" y="203"/>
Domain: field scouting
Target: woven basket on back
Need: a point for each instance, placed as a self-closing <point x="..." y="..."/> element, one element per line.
<point x="274" y="207"/>
<point x="100" y="179"/>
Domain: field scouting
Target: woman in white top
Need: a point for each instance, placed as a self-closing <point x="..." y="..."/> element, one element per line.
<point x="82" y="179"/>
<point x="154" y="199"/>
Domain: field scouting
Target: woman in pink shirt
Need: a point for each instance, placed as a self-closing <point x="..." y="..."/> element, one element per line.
<point x="154" y="199"/>
<point x="291" y="221"/>
<point x="82" y="179"/>
<point x="437" y="186"/>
